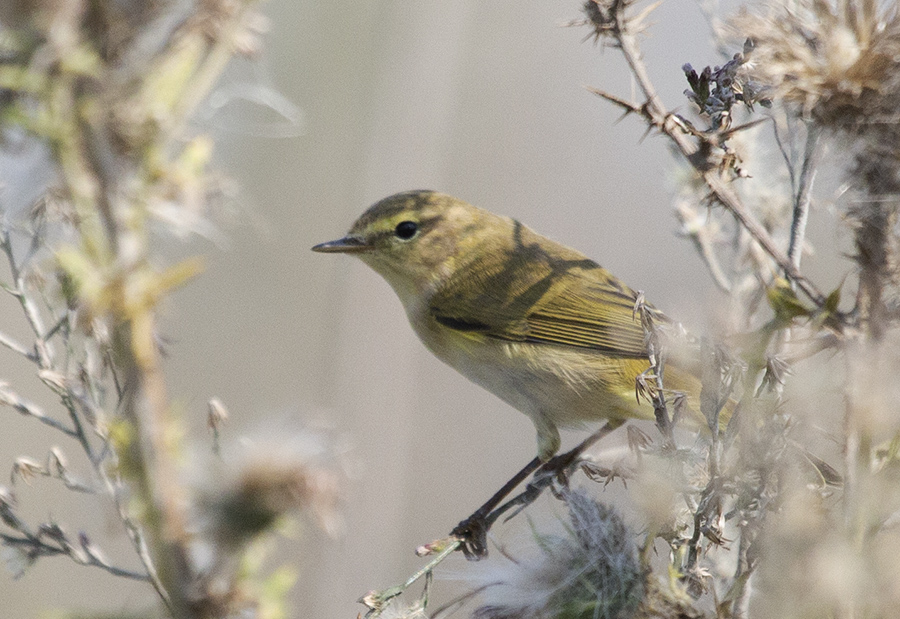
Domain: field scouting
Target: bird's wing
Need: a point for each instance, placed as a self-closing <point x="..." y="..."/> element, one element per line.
<point x="592" y="309"/>
<point x="543" y="293"/>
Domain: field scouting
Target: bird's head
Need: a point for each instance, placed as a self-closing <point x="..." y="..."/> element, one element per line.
<point x="416" y="239"/>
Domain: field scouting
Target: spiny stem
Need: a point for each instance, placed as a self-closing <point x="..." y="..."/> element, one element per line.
<point x="655" y="112"/>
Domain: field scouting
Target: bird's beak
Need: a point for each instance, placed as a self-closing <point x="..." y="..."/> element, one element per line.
<point x="346" y="245"/>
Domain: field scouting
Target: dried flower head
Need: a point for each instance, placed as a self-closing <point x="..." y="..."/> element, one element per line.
<point x="591" y="572"/>
<point x="609" y="18"/>
<point x="716" y="90"/>
<point x="600" y="16"/>
<point x="257" y="483"/>
<point x="839" y="63"/>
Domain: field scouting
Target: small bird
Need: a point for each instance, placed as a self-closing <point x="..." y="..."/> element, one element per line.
<point x="534" y="322"/>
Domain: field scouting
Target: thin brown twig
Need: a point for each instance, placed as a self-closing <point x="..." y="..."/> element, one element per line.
<point x="655" y="113"/>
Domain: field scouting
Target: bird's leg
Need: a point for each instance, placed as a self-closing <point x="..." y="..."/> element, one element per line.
<point x="472" y="531"/>
<point x="562" y="462"/>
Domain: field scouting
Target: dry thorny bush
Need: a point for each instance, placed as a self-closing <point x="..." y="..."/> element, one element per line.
<point x="754" y="521"/>
<point x="99" y="95"/>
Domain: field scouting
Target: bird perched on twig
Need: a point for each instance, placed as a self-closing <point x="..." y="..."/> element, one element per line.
<point x="534" y="322"/>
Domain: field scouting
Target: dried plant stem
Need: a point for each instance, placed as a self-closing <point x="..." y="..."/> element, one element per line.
<point x="8" y="342"/>
<point x="656" y="357"/>
<point x="98" y="177"/>
<point x="377" y="600"/>
<point x="858" y="452"/>
<point x="135" y="534"/>
<point x="802" y="196"/>
<point x="876" y="219"/>
<point x="42" y="351"/>
<point x="35" y="547"/>
<point x="658" y="117"/>
<point x="110" y="94"/>
<point x="77" y="431"/>
<point x="69" y="398"/>
<point x="99" y="183"/>
<point x="146" y="406"/>
<point x="114" y="489"/>
<point x="741" y="607"/>
<point x="29" y="409"/>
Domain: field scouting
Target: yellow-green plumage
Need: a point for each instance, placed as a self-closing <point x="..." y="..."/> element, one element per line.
<point x="536" y="323"/>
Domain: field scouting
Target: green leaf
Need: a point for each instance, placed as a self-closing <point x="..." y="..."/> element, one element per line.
<point x="784" y="302"/>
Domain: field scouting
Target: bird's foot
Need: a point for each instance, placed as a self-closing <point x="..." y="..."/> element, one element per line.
<point x="472" y="533"/>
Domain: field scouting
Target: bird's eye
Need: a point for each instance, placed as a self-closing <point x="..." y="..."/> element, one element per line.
<point x="406" y="230"/>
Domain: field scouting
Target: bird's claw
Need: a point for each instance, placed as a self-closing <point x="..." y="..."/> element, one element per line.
<point x="472" y="533"/>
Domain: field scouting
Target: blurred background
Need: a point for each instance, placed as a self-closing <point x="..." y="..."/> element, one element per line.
<point x="482" y="100"/>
